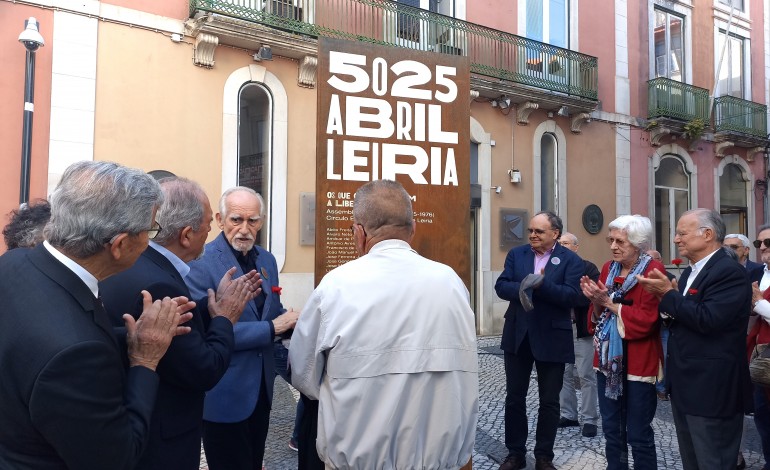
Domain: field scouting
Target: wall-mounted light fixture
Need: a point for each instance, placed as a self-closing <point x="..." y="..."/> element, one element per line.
<point x="515" y="175"/>
<point x="563" y="111"/>
<point x="264" y="53"/>
<point x="498" y="189"/>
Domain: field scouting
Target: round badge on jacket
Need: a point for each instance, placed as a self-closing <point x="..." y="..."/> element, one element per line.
<point x="555" y="261"/>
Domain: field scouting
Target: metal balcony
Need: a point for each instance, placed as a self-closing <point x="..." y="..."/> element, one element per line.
<point x="738" y="117"/>
<point x="493" y="54"/>
<point x="670" y="99"/>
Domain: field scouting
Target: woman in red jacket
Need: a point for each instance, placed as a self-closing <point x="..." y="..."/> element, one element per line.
<point x="626" y="330"/>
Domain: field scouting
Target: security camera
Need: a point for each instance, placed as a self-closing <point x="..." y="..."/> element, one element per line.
<point x="31" y="37"/>
<point x="498" y="189"/>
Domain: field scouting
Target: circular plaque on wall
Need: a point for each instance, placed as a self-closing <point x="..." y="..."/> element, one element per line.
<point x="593" y="219"/>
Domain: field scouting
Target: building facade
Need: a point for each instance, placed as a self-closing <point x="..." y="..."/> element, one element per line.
<point x="589" y="109"/>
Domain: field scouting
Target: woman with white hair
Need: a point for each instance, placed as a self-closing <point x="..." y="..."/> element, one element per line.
<point x="624" y="320"/>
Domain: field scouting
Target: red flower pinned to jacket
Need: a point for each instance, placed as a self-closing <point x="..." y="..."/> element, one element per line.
<point x="692" y="291"/>
<point x="277" y="289"/>
<point x="618" y="281"/>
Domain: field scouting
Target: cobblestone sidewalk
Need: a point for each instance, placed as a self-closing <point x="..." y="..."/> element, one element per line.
<point x="572" y="450"/>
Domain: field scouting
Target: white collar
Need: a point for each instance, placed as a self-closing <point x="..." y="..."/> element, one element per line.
<point x="77" y="269"/>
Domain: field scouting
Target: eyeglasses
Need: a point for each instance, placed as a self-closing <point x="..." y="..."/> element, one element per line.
<point x="617" y="241"/>
<point x="734" y="247"/>
<point x="152" y="232"/>
<point x="536" y="231"/>
<point x="682" y="234"/>
<point x="758" y="243"/>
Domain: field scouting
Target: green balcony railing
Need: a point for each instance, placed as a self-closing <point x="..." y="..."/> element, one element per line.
<point x="492" y="53"/>
<point x="672" y="99"/>
<point x="737" y="115"/>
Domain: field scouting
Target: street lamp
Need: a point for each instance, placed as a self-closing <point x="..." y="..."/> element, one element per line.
<point x="32" y="40"/>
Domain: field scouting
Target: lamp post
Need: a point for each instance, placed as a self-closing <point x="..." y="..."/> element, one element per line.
<point x="32" y="40"/>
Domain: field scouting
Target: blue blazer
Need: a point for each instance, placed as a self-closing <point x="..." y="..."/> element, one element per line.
<point x="706" y="367"/>
<point x="233" y="399"/>
<point x="193" y="363"/>
<point x="549" y="325"/>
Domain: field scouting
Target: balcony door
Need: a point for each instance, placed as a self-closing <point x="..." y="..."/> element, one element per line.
<point x="417" y="29"/>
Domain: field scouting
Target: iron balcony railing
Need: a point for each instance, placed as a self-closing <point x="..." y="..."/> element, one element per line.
<point x="733" y="114"/>
<point x="492" y="53"/>
<point x="672" y="99"/>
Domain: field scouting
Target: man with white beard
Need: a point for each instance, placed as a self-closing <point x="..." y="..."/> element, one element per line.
<point x="237" y="409"/>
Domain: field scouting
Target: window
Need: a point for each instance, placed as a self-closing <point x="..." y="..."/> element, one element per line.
<point x="408" y="23"/>
<point x="414" y="28"/>
<point x="731" y="72"/>
<point x="546" y="21"/>
<point x="669" y="45"/>
<point x="255" y="147"/>
<point x="738" y="4"/>
<point x="733" y="199"/>
<point x="672" y="198"/>
<point x="549" y="171"/>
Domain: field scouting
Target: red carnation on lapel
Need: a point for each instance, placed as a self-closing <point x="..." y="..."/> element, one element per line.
<point x="277" y="290"/>
<point x="692" y="291"/>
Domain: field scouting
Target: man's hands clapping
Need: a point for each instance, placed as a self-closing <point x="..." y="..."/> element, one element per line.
<point x="233" y="294"/>
<point x="149" y="336"/>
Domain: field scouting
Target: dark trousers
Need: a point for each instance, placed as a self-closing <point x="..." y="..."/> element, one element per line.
<point x="308" y="430"/>
<point x="241" y="445"/>
<point x="707" y="443"/>
<point x="762" y="420"/>
<point x="628" y="421"/>
<point x="518" y="368"/>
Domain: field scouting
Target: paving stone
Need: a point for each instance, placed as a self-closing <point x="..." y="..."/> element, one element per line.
<point x="572" y="451"/>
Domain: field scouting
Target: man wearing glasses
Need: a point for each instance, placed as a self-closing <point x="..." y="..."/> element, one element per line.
<point x="542" y="282"/>
<point x="387" y="344"/>
<point x="741" y="245"/>
<point x="66" y="399"/>
<point x="707" y="374"/>
<point x="195" y="362"/>
<point x="236" y="412"/>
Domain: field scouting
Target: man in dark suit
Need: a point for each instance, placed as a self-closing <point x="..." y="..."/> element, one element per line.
<point x="584" y="359"/>
<point x="547" y="276"/>
<point x="741" y="245"/>
<point x="707" y="371"/>
<point x="236" y="412"/>
<point x="66" y="401"/>
<point x="195" y="362"/>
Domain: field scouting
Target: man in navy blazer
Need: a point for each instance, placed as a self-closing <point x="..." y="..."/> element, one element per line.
<point x="741" y="245"/>
<point x="542" y="336"/>
<point x="236" y="412"/>
<point x="194" y="362"/>
<point x="707" y="373"/>
<point x="66" y="400"/>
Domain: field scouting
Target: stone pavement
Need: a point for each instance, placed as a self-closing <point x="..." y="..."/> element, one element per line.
<point x="572" y="450"/>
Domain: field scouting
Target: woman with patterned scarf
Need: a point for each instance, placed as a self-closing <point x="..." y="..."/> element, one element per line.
<point x="626" y="327"/>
